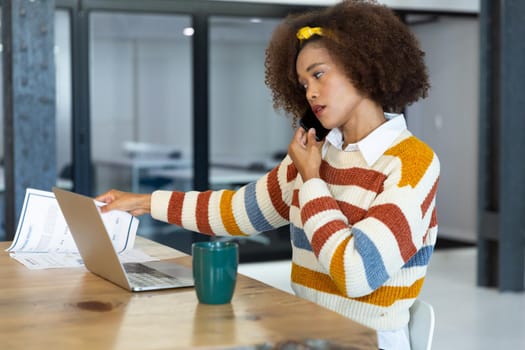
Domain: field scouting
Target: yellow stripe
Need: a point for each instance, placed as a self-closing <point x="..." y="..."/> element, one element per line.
<point x="314" y="279"/>
<point x="415" y="158"/>
<point x="387" y="295"/>
<point x="337" y="266"/>
<point x="383" y="296"/>
<point x="228" y="220"/>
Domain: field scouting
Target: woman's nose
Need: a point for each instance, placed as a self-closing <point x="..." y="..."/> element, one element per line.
<point x="311" y="94"/>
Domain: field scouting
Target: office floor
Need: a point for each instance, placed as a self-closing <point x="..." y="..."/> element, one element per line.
<point x="467" y="317"/>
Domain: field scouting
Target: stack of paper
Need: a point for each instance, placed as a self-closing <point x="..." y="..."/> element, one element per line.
<point x="43" y="239"/>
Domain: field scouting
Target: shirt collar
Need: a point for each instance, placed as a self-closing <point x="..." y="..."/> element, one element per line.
<point x="374" y="144"/>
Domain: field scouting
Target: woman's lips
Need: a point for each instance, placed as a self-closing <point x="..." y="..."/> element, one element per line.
<point x="317" y="110"/>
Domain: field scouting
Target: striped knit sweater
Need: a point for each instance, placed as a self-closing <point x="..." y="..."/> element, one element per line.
<point x="361" y="235"/>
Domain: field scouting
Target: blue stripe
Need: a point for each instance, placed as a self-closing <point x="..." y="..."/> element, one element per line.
<point x="375" y="270"/>
<point x="255" y="214"/>
<point x="421" y="258"/>
<point x="299" y="239"/>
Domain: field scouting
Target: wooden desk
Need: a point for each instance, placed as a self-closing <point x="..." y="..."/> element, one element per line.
<point x="74" y="309"/>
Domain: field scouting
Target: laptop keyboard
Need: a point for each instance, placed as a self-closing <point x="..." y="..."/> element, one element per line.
<point x="141" y="275"/>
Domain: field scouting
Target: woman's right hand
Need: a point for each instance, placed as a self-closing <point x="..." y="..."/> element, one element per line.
<point x="134" y="203"/>
<point x="305" y="153"/>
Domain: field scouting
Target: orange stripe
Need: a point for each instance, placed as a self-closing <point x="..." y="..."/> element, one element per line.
<point x="313" y="279"/>
<point x="276" y="195"/>
<point x="431" y="195"/>
<point x="383" y="296"/>
<point x="388" y="295"/>
<point x="337" y="266"/>
<point x="201" y="212"/>
<point x="228" y="220"/>
<point x="317" y="205"/>
<point x="353" y="213"/>
<point x="323" y="233"/>
<point x="370" y="180"/>
<point x="291" y="172"/>
<point x="433" y="218"/>
<point x="175" y="208"/>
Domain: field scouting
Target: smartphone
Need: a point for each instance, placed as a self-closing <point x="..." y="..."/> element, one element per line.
<point x="309" y="120"/>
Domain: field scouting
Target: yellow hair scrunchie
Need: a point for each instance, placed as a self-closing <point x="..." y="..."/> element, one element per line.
<point x="306" y="33"/>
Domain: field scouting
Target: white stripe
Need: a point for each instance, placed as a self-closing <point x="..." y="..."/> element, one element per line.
<point x="429" y="178"/>
<point x="384" y="240"/>
<point x="189" y="219"/>
<point x="406" y="277"/>
<point x="330" y="245"/>
<point x="316" y="221"/>
<point x="378" y="317"/>
<point x="239" y="212"/>
<point x="214" y="213"/>
<point x="353" y="194"/>
<point x="306" y="259"/>
<point x="265" y="203"/>
<point x="159" y="205"/>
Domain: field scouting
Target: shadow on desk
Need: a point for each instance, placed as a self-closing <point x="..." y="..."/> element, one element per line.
<point x="266" y="246"/>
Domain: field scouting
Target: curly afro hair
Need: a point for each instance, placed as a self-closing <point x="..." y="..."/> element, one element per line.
<point x="376" y="50"/>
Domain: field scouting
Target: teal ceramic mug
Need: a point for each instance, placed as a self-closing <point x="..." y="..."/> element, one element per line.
<point x="215" y="271"/>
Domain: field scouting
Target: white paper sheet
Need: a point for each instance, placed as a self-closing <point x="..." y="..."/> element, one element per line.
<point x="40" y="261"/>
<point x="43" y="239"/>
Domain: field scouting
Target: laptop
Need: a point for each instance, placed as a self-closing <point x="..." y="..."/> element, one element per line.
<point x="96" y="249"/>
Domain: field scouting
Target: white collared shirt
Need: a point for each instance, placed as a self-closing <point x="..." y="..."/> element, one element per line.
<point x="375" y="143"/>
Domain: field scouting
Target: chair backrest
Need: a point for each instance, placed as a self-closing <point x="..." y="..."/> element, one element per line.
<point x="421" y="325"/>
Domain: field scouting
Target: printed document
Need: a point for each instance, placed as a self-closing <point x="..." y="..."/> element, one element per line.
<point x="43" y="239"/>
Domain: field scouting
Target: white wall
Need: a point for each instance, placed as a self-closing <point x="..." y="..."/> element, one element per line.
<point x="164" y="92"/>
<point x="140" y="91"/>
<point x="112" y="98"/>
<point x="448" y="119"/>
<point x="243" y="121"/>
<point x="140" y="71"/>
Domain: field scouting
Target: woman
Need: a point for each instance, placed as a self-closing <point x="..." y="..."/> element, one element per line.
<point x="361" y="202"/>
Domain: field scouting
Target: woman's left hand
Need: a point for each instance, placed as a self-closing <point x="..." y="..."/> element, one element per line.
<point x="305" y="152"/>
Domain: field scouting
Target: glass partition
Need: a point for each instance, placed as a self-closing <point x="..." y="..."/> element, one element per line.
<point x="245" y="132"/>
<point x="64" y="111"/>
<point x="141" y="95"/>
